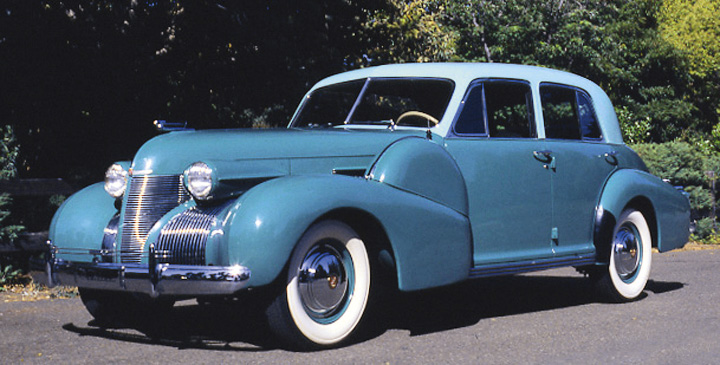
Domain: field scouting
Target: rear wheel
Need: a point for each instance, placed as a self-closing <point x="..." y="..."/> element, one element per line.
<point x="327" y="288"/>
<point x="630" y="259"/>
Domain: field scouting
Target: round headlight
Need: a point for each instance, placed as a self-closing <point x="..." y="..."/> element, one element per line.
<point x="198" y="180"/>
<point x="115" y="180"/>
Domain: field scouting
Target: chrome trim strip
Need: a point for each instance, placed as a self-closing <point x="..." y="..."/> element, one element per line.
<point x="154" y="279"/>
<point x="519" y="267"/>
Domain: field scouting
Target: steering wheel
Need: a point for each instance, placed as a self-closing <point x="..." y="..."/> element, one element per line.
<point x="415" y="113"/>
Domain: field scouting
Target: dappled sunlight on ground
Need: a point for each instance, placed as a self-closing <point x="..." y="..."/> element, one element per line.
<point x="693" y="246"/>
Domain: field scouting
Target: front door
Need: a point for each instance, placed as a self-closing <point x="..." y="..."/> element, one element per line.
<point x="507" y="173"/>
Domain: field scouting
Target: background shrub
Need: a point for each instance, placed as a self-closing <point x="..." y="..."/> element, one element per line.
<point x="686" y="165"/>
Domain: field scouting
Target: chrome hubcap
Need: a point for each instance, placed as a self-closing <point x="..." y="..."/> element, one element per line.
<point x="323" y="282"/>
<point x="626" y="252"/>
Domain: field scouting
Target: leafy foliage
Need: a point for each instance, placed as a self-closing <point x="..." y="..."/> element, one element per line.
<point x="686" y="165"/>
<point x="635" y="129"/>
<point x="406" y="31"/>
<point x="8" y="275"/>
<point x="678" y="162"/>
<point x="614" y="43"/>
<point x="8" y="153"/>
<point x="694" y="28"/>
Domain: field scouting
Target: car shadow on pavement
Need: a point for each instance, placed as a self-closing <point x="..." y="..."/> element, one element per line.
<point x="222" y="326"/>
<point x="467" y="303"/>
<point x="235" y="326"/>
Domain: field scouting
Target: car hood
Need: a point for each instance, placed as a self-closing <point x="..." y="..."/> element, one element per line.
<point x="296" y="150"/>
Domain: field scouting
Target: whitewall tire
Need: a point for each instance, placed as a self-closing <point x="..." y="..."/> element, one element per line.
<point x="630" y="258"/>
<point x="328" y="284"/>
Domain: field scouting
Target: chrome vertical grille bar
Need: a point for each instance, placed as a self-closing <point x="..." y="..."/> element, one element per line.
<point x="184" y="238"/>
<point x="149" y="198"/>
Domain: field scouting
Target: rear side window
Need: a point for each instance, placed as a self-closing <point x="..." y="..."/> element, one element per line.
<point x="497" y="108"/>
<point x="568" y="113"/>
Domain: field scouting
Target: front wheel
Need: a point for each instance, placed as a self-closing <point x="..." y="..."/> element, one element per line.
<point x="118" y="308"/>
<point x="630" y="258"/>
<point x="328" y="284"/>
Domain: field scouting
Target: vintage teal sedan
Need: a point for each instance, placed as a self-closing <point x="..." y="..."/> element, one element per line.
<point x="404" y="177"/>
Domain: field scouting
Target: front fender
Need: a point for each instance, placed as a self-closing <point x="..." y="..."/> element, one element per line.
<point x="430" y="241"/>
<point x="81" y="220"/>
<point x="670" y="208"/>
<point x="424" y="168"/>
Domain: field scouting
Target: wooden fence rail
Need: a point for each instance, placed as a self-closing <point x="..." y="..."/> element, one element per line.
<point x="31" y="241"/>
<point x="36" y="187"/>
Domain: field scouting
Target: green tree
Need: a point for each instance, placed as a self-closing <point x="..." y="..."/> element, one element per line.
<point x="614" y="43"/>
<point x="8" y="154"/>
<point x="694" y="28"/>
<point x="406" y="31"/>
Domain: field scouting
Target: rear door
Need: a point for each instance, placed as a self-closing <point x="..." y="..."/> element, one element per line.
<point x="583" y="162"/>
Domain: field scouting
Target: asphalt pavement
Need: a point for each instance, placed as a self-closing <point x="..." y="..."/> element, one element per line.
<point x="550" y="317"/>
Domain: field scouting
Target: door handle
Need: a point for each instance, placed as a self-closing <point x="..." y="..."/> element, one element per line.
<point x="610" y="157"/>
<point x="609" y="154"/>
<point x="546" y="157"/>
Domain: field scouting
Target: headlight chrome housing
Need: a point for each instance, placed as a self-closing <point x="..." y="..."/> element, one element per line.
<point x="116" y="180"/>
<point x="199" y="180"/>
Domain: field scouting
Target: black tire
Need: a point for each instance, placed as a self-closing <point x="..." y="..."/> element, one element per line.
<point x="326" y="291"/>
<point x="625" y="277"/>
<point x="111" y="308"/>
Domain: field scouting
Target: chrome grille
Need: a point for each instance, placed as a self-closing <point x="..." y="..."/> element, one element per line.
<point x="183" y="239"/>
<point x="149" y="198"/>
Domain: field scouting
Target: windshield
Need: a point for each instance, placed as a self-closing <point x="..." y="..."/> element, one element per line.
<point x="419" y="102"/>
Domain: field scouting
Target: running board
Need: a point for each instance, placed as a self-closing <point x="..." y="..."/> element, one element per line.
<point x="518" y="267"/>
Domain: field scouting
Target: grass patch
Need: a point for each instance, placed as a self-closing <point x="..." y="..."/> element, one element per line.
<point x="32" y="292"/>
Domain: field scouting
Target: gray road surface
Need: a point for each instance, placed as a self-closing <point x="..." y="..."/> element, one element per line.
<point x="545" y="318"/>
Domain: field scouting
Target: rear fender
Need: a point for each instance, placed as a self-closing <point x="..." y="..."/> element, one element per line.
<point x="665" y="208"/>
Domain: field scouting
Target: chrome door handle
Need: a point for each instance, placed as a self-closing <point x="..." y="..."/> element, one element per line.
<point x="546" y="157"/>
<point x="610" y="157"/>
<point x="543" y="155"/>
<point x="609" y="154"/>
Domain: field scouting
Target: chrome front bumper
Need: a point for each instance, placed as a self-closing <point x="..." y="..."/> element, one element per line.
<point x="154" y="279"/>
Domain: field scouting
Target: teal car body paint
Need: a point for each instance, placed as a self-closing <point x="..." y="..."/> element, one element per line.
<point x="407" y="176"/>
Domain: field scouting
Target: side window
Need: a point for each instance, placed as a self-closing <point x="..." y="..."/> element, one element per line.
<point x="568" y="113"/>
<point x="508" y="107"/>
<point x="559" y="106"/>
<point x="500" y="109"/>
<point x="472" y="117"/>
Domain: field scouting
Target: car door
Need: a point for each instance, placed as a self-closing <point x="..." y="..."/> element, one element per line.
<point x="495" y="144"/>
<point x="582" y="165"/>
